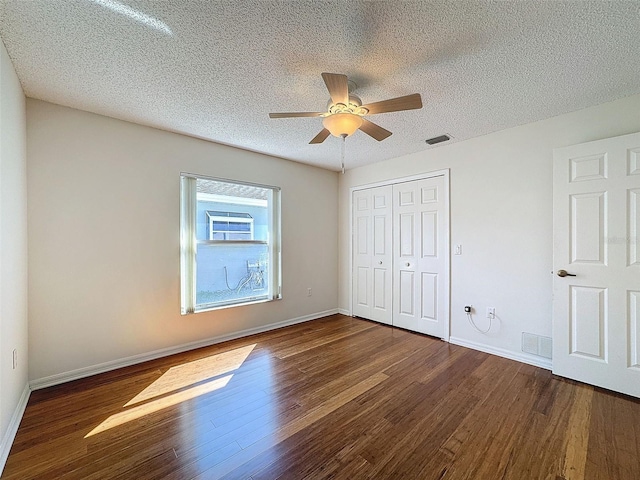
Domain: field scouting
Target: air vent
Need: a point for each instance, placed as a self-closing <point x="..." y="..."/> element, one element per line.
<point x="440" y="139"/>
<point x="536" y="345"/>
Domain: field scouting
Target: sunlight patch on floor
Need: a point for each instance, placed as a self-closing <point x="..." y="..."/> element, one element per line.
<point x="215" y="368"/>
<point x="190" y="373"/>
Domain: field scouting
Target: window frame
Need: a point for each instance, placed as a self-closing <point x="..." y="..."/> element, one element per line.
<point x="189" y="244"/>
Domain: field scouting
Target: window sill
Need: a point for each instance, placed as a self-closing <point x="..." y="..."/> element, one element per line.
<point x="220" y="306"/>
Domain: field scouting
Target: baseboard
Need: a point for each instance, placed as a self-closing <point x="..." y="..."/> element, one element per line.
<point x="64" y="377"/>
<point x="501" y="352"/>
<point x="342" y="311"/>
<point x="10" y="434"/>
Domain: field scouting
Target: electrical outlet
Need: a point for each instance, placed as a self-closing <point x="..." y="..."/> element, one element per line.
<point x="15" y="358"/>
<point x="491" y="312"/>
<point x="308" y="292"/>
<point x="458" y="249"/>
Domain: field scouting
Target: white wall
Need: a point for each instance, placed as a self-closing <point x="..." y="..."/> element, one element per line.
<point x="501" y="212"/>
<point x="13" y="252"/>
<point x="104" y="208"/>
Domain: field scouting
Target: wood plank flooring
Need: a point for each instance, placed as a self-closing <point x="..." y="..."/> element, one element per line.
<point x="338" y="398"/>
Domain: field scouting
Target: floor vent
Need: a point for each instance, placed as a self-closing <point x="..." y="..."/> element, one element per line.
<point x="440" y="139"/>
<point x="536" y="345"/>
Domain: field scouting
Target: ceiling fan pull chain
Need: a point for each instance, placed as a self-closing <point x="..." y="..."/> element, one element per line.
<point x="344" y="138"/>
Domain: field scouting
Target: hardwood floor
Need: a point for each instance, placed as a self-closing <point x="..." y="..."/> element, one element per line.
<point x="338" y="398"/>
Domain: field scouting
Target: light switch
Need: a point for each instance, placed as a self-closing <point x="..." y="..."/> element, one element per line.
<point x="458" y="249"/>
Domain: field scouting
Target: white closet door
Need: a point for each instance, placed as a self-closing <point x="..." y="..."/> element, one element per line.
<point x="596" y="253"/>
<point x="372" y="253"/>
<point x="420" y="283"/>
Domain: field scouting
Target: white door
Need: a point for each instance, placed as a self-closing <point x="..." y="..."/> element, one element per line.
<point x="372" y="254"/>
<point x="420" y="281"/>
<point x="596" y="204"/>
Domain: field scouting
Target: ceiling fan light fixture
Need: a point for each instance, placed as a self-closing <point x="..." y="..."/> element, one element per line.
<point x="345" y="111"/>
<point x="342" y="124"/>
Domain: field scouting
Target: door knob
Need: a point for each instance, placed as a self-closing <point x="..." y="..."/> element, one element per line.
<point x="564" y="273"/>
<point x="380" y="262"/>
<point x="408" y="264"/>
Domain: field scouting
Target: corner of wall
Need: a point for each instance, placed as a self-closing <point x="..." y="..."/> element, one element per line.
<point x="14" y="423"/>
<point x="14" y="390"/>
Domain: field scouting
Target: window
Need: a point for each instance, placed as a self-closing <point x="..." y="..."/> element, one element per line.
<point x="229" y="242"/>
<point x="230" y="226"/>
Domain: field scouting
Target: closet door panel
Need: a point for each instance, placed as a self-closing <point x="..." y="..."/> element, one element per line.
<point x="420" y="253"/>
<point x="372" y="254"/>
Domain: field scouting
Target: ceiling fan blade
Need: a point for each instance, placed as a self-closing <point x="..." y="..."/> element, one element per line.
<point x="295" y="114"/>
<point x="373" y="130"/>
<point x="408" y="102"/>
<point x="321" y="137"/>
<point x="338" y="87"/>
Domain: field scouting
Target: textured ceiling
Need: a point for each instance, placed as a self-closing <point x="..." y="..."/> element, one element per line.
<point x="215" y="69"/>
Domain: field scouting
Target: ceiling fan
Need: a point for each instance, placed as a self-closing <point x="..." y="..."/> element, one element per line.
<point x="345" y="112"/>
